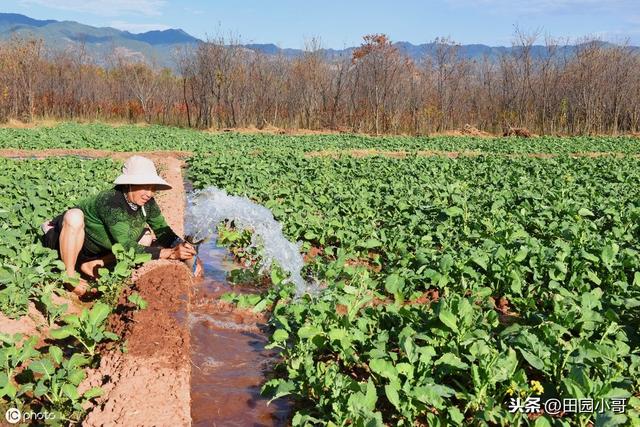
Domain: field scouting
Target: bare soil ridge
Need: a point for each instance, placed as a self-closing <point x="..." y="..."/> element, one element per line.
<point x="149" y="384"/>
<point x="160" y="155"/>
<point x="455" y="154"/>
<point x="90" y="153"/>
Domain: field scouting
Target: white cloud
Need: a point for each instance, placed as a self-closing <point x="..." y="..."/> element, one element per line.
<point x="137" y="28"/>
<point x="103" y="7"/>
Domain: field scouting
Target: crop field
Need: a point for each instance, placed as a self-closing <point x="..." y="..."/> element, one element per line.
<point x="451" y="288"/>
<point x="132" y="138"/>
<point x="451" y="284"/>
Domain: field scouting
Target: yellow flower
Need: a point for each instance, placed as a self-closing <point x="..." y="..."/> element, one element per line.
<point x="536" y="387"/>
<point x="511" y="391"/>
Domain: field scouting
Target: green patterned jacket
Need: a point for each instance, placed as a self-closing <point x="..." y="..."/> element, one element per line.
<point x="108" y="219"/>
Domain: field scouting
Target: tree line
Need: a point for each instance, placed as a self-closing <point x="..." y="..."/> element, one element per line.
<point x="374" y="88"/>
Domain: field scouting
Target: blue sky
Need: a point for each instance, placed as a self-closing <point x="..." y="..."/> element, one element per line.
<point x="338" y="24"/>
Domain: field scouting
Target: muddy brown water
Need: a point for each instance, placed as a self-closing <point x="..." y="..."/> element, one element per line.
<point x="228" y="357"/>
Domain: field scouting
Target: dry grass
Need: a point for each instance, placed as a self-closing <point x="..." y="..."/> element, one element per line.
<point x="273" y="130"/>
<point x="48" y="123"/>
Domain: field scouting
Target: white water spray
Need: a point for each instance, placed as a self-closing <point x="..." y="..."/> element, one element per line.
<point x="207" y="208"/>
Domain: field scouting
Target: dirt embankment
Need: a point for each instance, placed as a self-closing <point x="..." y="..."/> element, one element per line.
<point x="160" y="156"/>
<point x="149" y="384"/>
<point x="92" y="153"/>
<point x="400" y="154"/>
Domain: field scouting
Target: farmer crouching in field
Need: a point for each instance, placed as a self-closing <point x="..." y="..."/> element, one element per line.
<point x="84" y="235"/>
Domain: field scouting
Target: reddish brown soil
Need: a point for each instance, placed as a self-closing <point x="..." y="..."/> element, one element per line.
<point x="342" y="309"/>
<point x="453" y="154"/>
<point x="273" y="130"/>
<point x="518" y="132"/>
<point x="89" y="152"/>
<point x="33" y="323"/>
<point x="149" y="384"/>
<point x="506" y="315"/>
<point x="161" y="156"/>
<point x="368" y="263"/>
<point x="312" y="254"/>
<point x="44" y="123"/>
<point x="432" y="295"/>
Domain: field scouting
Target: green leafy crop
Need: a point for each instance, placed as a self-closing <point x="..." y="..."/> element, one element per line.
<point x="452" y="285"/>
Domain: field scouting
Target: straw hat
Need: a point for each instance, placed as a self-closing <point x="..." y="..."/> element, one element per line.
<point x="138" y="170"/>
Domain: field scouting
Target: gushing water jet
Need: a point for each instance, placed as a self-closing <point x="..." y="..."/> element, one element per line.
<point x="208" y="207"/>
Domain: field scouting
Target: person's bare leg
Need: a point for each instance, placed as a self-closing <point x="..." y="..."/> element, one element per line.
<point x="71" y="240"/>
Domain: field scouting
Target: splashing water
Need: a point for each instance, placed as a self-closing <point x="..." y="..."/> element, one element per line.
<point x="208" y="207"/>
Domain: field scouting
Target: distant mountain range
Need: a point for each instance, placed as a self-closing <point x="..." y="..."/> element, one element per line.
<point x="157" y="46"/>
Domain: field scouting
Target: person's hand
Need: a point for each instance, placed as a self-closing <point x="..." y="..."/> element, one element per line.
<point x="199" y="269"/>
<point x="184" y="251"/>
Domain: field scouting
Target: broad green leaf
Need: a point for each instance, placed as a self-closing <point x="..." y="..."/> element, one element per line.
<point x="99" y="313"/>
<point x="371" y="396"/>
<point x="306" y="332"/>
<point x="452" y="361"/>
<point x="455" y="415"/>
<point x="9" y="390"/>
<point x="532" y="359"/>
<point x="284" y="388"/>
<point x="609" y="253"/>
<point x="76" y="361"/>
<point x="70" y="391"/>
<point x="371" y="243"/>
<point x="542" y="421"/>
<point x="448" y="319"/>
<point x="454" y="211"/>
<point x="93" y="392"/>
<point x="280" y="335"/>
<point x="75" y="376"/>
<point x="391" y="390"/>
<point x="383" y="368"/>
<point x="394" y="283"/>
<point x="585" y="212"/>
<point x="481" y="260"/>
<point x="56" y="354"/>
<point x="433" y="394"/>
<point x="42" y="366"/>
<point x="337" y="334"/>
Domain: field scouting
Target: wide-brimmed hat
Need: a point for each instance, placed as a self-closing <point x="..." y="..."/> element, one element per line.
<point x="138" y="170"/>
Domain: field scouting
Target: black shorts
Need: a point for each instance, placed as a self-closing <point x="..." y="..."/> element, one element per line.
<point x="51" y="240"/>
